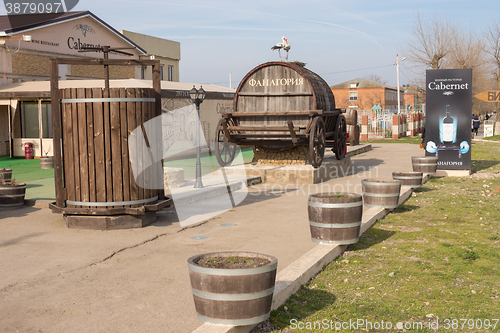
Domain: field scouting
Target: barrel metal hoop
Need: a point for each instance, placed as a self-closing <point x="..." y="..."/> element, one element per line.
<point x="234" y="322"/>
<point x="335" y="226"/>
<point x="335" y="205"/>
<point x="232" y="272"/>
<point x="232" y="297"/>
<point x="11" y="195"/>
<point x="382" y="206"/>
<point x="345" y="242"/>
<point x="407" y="177"/>
<point x="394" y="183"/>
<point x="377" y="195"/>
<point x="425" y="164"/>
<point x="101" y="100"/>
<point x="108" y="204"/>
<point x="14" y="187"/>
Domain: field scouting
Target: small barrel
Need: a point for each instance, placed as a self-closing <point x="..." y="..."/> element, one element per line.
<point x="12" y="196"/>
<point x="353" y="131"/>
<point x="351" y="117"/>
<point x="5" y="175"/>
<point x="239" y="296"/>
<point x="335" y="218"/>
<point x="427" y="164"/>
<point x="47" y="162"/>
<point x="411" y="179"/>
<point x="381" y="193"/>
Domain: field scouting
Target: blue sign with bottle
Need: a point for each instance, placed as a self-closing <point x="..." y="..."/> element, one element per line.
<point x="448" y="117"/>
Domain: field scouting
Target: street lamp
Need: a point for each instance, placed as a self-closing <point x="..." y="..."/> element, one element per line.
<point x="197" y="96"/>
<point x="397" y="70"/>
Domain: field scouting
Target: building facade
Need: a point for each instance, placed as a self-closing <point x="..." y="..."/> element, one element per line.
<point x="166" y="51"/>
<point x="25" y="53"/>
<point x="364" y="95"/>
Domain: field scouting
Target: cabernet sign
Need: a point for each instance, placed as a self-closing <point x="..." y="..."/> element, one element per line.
<point x="448" y="118"/>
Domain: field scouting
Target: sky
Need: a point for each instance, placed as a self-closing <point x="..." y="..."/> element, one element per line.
<point x="339" y="40"/>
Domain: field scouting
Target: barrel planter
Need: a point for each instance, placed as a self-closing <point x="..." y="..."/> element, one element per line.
<point x="411" y="179"/>
<point x="233" y="296"/>
<point x="47" y="162"/>
<point x="5" y="175"/>
<point x="381" y="193"/>
<point x="353" y="134"/>
<point x="12" y="195"/>
<point x="427" y="164"/>
<point x="335" y="218"/>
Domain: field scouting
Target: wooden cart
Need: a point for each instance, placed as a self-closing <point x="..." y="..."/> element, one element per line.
<point x="281" y="105"/>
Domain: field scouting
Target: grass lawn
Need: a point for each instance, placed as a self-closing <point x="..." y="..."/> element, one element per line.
<point x="414" y="140"/>
<point x="434" y="260"/>
<point x="493" y="138"/>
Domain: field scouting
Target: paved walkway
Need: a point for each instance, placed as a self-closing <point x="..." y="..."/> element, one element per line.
<point x="55" y="279"/>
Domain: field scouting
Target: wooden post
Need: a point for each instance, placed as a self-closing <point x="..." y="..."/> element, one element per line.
<point x="157" y="88"/>
<point x="56" y="130"/>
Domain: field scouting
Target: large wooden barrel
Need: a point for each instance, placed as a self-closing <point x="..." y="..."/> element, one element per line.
<point x="351" y="117"/>
<point x="283" y="86"/>
<point x="5" y="175"/>
<point x="335" y="218"/>
<point x="411" y="179"/>
<point x="12" y="196"/>
<point x="427" y="164"/>
<point x="112" y="157"/>
<point x="381" y="193"/>
<point x="233" y="296"/>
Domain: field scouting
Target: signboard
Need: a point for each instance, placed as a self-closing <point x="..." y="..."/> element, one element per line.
<point x="489" y="96"/>
<point x="488" y="129"/>
<point x="448" y="118"/>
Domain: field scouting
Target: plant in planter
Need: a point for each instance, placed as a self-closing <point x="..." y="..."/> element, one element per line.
<point x="11" y="194"/>
<point x="47" y="162"/>
<point x="335" y="218"/>
<point x="382" y="193"/>
<point x="233" y="288"/>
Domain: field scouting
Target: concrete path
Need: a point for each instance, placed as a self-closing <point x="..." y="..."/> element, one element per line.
<point x="55" y="279"/>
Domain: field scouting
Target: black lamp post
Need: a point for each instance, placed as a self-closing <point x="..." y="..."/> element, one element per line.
<point x="197" y="96"/>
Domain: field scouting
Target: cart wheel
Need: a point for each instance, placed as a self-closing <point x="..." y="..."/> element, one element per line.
<point x="224" y="151"/>
<point x="340" y="138"/>
<point x="317" y="142"/>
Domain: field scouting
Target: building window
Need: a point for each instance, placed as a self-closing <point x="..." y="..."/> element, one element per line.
<point x="161" y="73"/>
<point x="143" y="72"/>
<point x="353" y="95"/>
<point x="30" y="122"/>
<point x="170" y="73"/>
<point x="355" y="85"/>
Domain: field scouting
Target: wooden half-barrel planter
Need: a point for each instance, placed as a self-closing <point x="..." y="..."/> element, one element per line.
<point x="5" y="175"/>
<point x="233" y="296"/>
<point x="426" y="164"/>
<point x="108" y="170"/>
<point x="335" y="218"/>
<point x="381" y="193"/>
<point x="47" y="162"/>
<point x="12" y="195"/>
<point x="411" y="179"/>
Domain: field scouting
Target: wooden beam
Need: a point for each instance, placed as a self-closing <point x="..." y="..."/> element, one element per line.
<point x="292" y="132"/>
<point x="56" y="130"/>
<point x="262" y="128"/>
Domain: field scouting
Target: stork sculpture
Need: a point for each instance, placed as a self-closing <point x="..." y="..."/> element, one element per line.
<point x="283" y="45"/>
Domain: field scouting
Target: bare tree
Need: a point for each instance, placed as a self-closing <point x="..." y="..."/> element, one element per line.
<point x="375" y="78"/>
<point x="492" y="48"/>
<point x="431" y="41"/>
<point x="467" y="50"/>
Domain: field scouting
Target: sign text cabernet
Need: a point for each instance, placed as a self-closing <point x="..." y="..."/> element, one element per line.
<point x="276" y="82"/>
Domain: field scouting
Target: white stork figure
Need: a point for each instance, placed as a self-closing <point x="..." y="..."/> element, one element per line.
<point x="283" y="45"/>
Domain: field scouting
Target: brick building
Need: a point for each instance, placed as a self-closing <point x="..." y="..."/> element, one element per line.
<point x="364" y="95"/>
